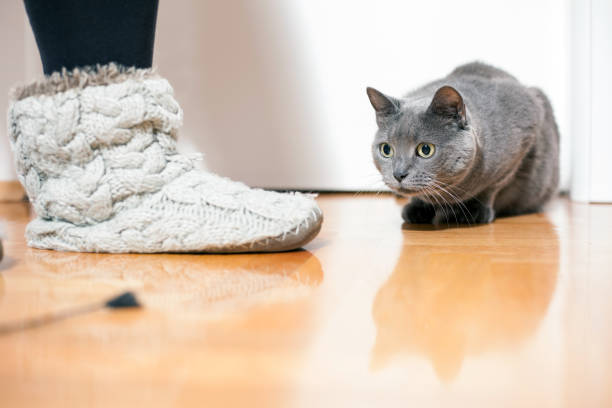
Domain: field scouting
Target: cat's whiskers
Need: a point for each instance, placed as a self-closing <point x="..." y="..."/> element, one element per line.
<point x="430" y="193"/>
<point x="447" y="205"/>
<point x="446" y="188"/>
<point x="461" y="190"/>
<point x="454" y="198"/>
<point x="375" y="182"/>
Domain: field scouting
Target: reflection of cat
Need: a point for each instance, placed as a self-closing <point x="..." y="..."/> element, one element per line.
<point x="450" y="302"/>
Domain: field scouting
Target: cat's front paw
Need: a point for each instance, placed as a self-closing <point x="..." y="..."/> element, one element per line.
<point x="418" y="212"/>
<point x="468" y="213"/>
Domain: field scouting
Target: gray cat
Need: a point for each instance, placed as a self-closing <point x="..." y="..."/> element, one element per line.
<point x="467" y="148"/>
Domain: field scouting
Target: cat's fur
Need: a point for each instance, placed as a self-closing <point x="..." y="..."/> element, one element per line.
<point x="496" y="147"/>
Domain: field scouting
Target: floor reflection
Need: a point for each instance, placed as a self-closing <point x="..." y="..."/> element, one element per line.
<point x="448" y="303"/>
<point x="189" y="282"/>
<point x="206" y="318"/>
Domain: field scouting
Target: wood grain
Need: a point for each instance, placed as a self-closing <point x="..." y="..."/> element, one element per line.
<point x="371" y="313"/>
<point x="11" y="191"/>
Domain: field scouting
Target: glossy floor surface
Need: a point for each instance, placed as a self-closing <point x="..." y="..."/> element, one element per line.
<point x="512" y="314"/>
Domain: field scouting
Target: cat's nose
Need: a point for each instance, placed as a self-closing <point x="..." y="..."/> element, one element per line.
<point x="400" y="174"/>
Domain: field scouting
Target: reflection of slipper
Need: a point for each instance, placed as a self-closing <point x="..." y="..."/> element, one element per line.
<point x="193" y="282"/>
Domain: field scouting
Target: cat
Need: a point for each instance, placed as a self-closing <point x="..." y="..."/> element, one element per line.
<point x="467" y="148"/>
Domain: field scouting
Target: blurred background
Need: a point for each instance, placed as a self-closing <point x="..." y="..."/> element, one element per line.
<point x="274" y="90"/>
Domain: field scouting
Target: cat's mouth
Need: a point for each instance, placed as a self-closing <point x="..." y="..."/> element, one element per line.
<point x="410" y="191"/>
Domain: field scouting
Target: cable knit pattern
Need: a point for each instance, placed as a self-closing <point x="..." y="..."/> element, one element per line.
<point x="100" y="165"/>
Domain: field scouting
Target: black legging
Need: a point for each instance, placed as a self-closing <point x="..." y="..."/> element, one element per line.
<point x="77" y="33"/>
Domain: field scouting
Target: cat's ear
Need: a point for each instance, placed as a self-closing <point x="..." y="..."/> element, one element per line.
<point x="448" y="102"/>
<point x="383" y="105"/>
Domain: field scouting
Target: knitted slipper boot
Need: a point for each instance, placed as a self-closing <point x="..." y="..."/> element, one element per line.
<point x="96" y="153"/>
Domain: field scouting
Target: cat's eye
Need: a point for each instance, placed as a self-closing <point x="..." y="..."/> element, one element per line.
<point x="386" y="150"/>
<point x="425" y="150"/>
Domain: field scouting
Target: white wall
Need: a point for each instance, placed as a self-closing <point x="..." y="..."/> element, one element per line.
<point x="398" y="45"/>
<point x="274" y="91"/>
<point x="591" y="27"/>
<point x="19" y="63"/>
<point x="12" y="49"/>
<point x="281" y="84"/>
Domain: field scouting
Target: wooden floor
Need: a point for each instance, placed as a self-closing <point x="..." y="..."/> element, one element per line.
<point x="513" y="314"/>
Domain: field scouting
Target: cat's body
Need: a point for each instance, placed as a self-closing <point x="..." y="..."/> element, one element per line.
<point x="493" y="146"/>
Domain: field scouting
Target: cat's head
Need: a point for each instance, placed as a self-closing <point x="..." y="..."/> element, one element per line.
<point x="422" y="143"/>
